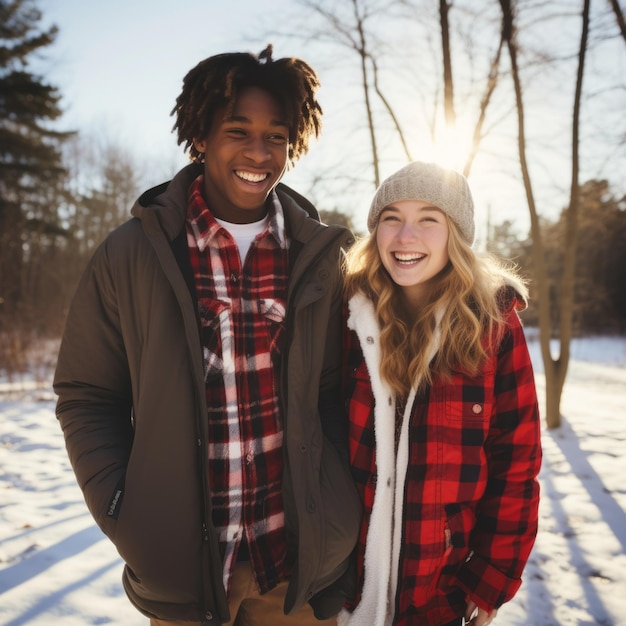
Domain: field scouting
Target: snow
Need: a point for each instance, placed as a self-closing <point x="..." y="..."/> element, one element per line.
<point x="58" y="569"/>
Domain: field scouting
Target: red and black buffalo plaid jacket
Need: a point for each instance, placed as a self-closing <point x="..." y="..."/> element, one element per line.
<point x="462" y="487"/>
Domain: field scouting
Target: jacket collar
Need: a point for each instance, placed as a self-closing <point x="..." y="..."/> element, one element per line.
<point x="169" y="201"/>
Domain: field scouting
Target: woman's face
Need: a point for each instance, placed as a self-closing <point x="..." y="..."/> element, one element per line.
<point x="412" y="241"/>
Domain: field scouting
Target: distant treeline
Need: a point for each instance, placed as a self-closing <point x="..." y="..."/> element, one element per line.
<point x="600" y="270"/>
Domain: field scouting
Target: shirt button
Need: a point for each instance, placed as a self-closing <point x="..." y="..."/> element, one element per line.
<point x="476" y="409"/>
<point x="249" y="458"/>
<point x="370" y="340"/>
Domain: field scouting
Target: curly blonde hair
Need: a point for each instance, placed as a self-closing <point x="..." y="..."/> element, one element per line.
<point x="468" y="296"/>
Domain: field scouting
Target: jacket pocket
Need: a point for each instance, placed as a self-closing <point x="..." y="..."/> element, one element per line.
<point x="273" y="312"/>
<point x="459" y="522"/>
<point x="214" y="316"/>
<point x="470" y="399"/>
<point x="341" y="518"/>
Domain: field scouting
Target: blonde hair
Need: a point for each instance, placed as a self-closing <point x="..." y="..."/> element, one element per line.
<point x="468" y="296"/>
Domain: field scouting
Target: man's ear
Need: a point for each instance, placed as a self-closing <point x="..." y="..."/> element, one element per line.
<point x="200" y="146"/>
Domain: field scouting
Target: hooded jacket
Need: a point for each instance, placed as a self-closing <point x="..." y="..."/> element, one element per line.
<point x="453" y="514"/>
<point x="133" y="412"/>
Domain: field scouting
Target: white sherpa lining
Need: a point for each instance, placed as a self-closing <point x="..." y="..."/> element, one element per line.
<point x="384" y="535"/>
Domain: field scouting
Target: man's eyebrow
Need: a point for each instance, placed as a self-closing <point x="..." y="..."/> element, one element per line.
<point x="246" y="120"/>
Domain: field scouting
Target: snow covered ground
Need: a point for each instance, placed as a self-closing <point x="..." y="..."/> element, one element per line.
<point x="58" y="569"/>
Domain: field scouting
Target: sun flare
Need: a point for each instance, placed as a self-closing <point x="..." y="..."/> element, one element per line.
<point x="451" y="146"/>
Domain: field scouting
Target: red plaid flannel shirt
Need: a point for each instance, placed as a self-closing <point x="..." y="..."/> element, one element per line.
<point x="471" y="494"/>
<point x="242" y="312"/>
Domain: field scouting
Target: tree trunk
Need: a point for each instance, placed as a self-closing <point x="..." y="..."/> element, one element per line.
<point x="492" y="81"/>
<point x="366" y="94"/>
<point x="448" y="91"/>
<point x="619" y="16"/>
<point x="555" y="369"/>
<point x="390" y="110"/>
<point x="566" y="312"/>
<point x="554" y="392"/>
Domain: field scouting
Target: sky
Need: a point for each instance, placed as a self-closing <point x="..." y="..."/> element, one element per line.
<point x="58" y="569"/>
<point x="119" y="66"/>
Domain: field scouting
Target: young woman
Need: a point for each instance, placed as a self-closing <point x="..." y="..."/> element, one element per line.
<point x="444" y="425"/>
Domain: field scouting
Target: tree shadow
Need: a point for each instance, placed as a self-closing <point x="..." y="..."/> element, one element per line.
<point x="55" y="598"/>
<point x="612" y="513"/>
<point x="33" y="530"/>
<point x="540" y="608"/>
<point x="42" y="560"/>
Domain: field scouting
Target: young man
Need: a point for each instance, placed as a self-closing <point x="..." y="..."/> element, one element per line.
<point x="199" y="371"/>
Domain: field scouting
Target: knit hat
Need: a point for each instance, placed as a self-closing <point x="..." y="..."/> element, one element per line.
<point x="446" y="189"/>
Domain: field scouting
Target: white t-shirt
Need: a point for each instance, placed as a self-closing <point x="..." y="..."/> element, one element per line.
<point x="244" y="234"/>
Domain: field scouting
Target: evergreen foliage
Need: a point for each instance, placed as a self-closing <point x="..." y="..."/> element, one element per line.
<point x="30" y="155"/>
<point x="599" y="294"/>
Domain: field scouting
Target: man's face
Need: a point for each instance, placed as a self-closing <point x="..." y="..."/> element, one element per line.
<point x="245" y="156"/>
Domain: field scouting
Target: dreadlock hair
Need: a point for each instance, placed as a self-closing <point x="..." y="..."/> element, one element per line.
<point x="471" y="293"/>
<point x="217" y="82"/>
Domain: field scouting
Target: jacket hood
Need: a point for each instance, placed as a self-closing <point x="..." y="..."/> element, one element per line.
<point x="169" y="201"/>
<point x="512" y="294"/>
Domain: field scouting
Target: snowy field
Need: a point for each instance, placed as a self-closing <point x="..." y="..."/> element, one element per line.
<point x="58" y="569"/>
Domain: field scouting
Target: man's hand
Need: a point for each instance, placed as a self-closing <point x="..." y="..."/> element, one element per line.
<point x="478" y="617"/>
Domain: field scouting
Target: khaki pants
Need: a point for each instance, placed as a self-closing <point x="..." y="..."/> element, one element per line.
<point x="249" y="608"/>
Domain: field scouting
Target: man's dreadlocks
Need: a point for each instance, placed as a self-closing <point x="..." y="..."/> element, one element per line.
<point x="217" y="82"/>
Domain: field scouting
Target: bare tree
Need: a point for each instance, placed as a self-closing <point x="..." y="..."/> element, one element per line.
<point x="102" y="182"/>
<point x="353" y="35"/>
<point x="555" y="368"/>
<point x="361" y="48"/>
<point x="390" y="110"/>
<point x="388" y="68"/>
<point x="105" y="180"/>
<point x="445" y="85"/>
<point x="490" y="87"/>
<point x="448" y="86"/>
<point x="619" y="16"/>
<point x="351" y="30"/>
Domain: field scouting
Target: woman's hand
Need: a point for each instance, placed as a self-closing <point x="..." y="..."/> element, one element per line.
<point x="478" y="617"/>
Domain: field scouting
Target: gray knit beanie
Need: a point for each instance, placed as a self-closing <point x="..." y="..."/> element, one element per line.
<point x="446" y="189"/>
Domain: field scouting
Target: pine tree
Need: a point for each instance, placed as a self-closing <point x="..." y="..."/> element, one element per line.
<point x="30" y="150"/>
